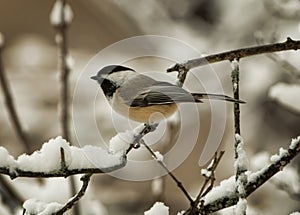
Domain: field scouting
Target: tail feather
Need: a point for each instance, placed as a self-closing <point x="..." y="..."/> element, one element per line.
<point x="199" y="96"/>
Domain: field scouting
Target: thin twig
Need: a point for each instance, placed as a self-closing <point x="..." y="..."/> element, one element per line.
<point x="139" y="140"/>
<point x="64" y="84"/>
<point x="289" y="44"/>
<point x="163" y="165"/>
<point x="64" y="74"/>
<point x="73" y="201"/>
<point x="16" y="123"/>
<point x="210" y="178"/>
<point x="63" y="165"/>
<point x="196" y="209"/>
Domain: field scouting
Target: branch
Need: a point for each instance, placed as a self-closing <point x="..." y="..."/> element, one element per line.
<point x="209" y="174"/>
<point x="62" y="22"/>
<point x="10" y="105"/>
<point x="235" y="85"/>
<point x="61" y="28"/>
<point x="73" y="201"/>
<point x="256" y="179"/>
<point x="138" y="139"/>
<point x="66" y="172"/>
<point x="164" y="166"/>
<point x="289" y="44"/>
<point x="73" y="161"/>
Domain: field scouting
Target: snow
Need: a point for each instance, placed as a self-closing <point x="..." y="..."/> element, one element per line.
<point x="120" y="143"/>
<point x="282" y="152"/>
<point x="241" y="162"/>
<point x="287" y="95"/>
<point x="56" y="16"/>
<point x="137" y="130"/>
<point x="157" y="186"/>
<point x="158" y="208"/>
<point x="241" y="207"/>
<point x="234" y="64"/>
<point x="227" y="188"/>
<point x="205" y="173"/>
<point x="295" y="213"/>
<point x="159" y="156"/>
<point x="295" y="143"/>
<point x="48" y="158"/>
<point x="34" y="206"/>
<point x="6" y="160"/>
<point x="70" y="62"/>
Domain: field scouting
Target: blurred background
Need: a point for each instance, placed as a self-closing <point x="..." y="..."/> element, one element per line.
<point x="269" y="120"/>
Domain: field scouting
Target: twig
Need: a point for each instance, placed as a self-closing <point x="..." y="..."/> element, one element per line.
<point x="209" y="178"/>
<point x="11" y="107"/>
<point x="61" y="28"/>
<point x="164" y="166"/>
<point x="289" y="44"/>
<point x="139" y="140"/>
<point x="257" y="180"/>
<point x="235" y="85"/>
<point x="73" y="201"/>
<point x="240" y="154"/>
<point x="64" y="68"/>
<point x="63" y="165"/>
<point x="138" y="137"/>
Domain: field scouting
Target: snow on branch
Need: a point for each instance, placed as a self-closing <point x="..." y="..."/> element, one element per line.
<point x="225" y="194"/>
<point x="61" y="14"/>
<point x="58" y="159"/>
<point x="33" y="206"/>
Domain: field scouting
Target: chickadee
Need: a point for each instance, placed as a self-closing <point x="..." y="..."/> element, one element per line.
<point x="142" y="98"/>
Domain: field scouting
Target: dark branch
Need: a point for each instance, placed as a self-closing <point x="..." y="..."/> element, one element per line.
<point x="74" y="200"/>
<point x="259" y="179"/>
<point x="64" y="74"/>
<point x="64" y="70"/>
<point x="15" y="173"/>
<point x="235" y="85"/>
<point x="289" y="44"/>
<point x="11" y="107"/>
<point x="164" y="166"/>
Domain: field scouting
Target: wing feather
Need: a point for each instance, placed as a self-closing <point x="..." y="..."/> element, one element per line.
<point x="161" y="93"/>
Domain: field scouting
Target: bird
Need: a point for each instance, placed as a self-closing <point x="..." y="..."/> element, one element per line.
<point x="144" y="99"/>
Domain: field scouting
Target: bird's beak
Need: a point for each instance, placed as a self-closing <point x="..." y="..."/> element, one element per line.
<point x="94" y="77"/>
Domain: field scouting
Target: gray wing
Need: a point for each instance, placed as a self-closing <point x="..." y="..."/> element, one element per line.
<point x="156" y="93"/>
